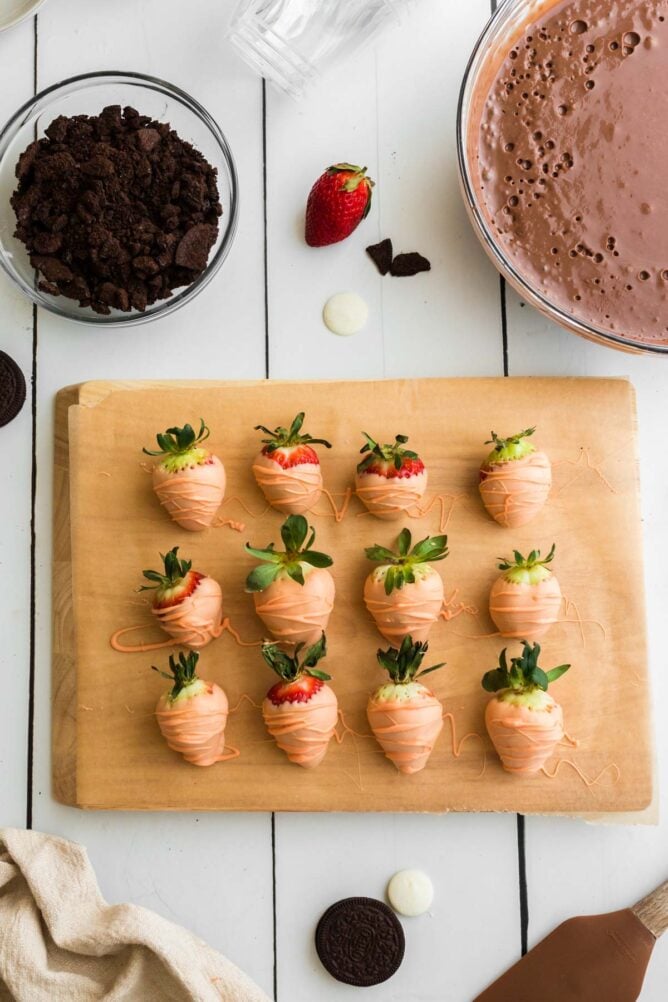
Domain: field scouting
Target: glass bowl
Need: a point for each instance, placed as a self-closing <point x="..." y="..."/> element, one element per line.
<point x="490" y="50"/>
<point x="89" y="94"/>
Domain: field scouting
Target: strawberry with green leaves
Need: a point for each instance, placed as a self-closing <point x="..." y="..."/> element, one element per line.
<point x="192" y="715"/>
<point x="515" y="479"/>
<point x="287" y="469"/>
<point x="338" y="202"/>
<point x="523" y="720"/>
<point x="390" y="479"/>
<point x="405" y="593"/>
<point x="188" y="480"/>
<point x="188" y="604"/>
<point x="525" y="601"/>
<point x="300" y="710"/>
<point x="404" y="715"/>
<point x="292" y="589"/>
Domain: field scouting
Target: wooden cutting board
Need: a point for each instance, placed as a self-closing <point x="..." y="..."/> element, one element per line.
<point x="107" y="750"/>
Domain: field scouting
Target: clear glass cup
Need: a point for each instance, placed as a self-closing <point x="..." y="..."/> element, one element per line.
<point x="290" y="42"/>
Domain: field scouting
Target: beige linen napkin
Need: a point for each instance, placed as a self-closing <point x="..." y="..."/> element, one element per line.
<point x="61" y="942"/>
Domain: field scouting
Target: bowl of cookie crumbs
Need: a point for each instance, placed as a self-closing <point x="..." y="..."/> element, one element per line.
<point x="118" y="198"/>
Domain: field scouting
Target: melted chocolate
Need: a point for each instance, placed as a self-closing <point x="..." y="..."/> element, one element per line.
<point x="571" y="147"/>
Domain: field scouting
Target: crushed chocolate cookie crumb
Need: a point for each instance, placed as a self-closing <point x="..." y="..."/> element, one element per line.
<point x="381" y="255"/>
<point x="405" y="265"/>
<point x="116" y="210"/>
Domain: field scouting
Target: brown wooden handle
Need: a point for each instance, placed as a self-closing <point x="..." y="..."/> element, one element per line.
<point x="653" y="910"/>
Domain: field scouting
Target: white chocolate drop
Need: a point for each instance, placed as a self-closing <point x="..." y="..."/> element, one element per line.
<point x="411" y="892"/>
<point x="345" y="313"/>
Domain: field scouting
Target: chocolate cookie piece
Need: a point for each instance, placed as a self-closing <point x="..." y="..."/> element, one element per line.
<point x="360" y="941"/>
<point x="12" y="389"/>
<point x="116" y="210"/>
<point x="405" y="265"/>
<point x="381" y="255"/>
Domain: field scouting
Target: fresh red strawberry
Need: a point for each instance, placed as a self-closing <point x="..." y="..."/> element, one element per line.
<point x="338" y="202"/>
<point x="176" y="584"/>
<point x="390" y="460"/>
<point x="279" y="469"/>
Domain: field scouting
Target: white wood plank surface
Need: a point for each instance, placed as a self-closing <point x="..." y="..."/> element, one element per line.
<point x="572" y="867"/>
<point x="393" y="108"/>
<point x="381" y="112"/>
<point x="213" y="873"/>
<point x="16" y="86"/>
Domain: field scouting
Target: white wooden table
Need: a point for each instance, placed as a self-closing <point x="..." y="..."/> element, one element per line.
<point x="255" y="885"/>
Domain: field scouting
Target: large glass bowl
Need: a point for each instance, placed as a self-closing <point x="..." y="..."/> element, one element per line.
<point x="496" y="40"/>
<point x="89" y="94"/>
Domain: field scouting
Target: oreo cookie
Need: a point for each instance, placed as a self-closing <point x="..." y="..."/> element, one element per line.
<point x="12" y="389"/>
<point x="360" y="941"/>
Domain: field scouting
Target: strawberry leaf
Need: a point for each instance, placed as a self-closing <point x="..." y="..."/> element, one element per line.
<point x="295" y="572"/>
<point x="427" y="671"/>
<point x="404" y="542"/>
<point x="291" y="667"/>
<point x="176" y="441"/>
<point x="266" y="554"/>
<point x="314" y="673"/>
<point x="293" y="533"/>
<point x="316" y="559"/>
<point x="524" y="674"/>
<point x="495" y="680"/>
<point x="315" y="652"/>
<point x="281" y="438"/>
<point x="182" y="671"/>
<point x="554" y="673"/>
<point x="403" y="665"/>
<point x="296" y="425"/>
<point x="539" y="678"/>
<point x="261" y="577"/>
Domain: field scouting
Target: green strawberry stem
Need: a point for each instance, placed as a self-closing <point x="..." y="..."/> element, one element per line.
<point x="403" y="561"/>
<point x="182" y="672"/>
<point x="524" y="677"/>
<point x="181" y="447"/>
<point x="403" y="665"/>
<point x="290" y="668"/>
<point x="394" y="453"/>
<point x="175" y="570"/>
<point x="285" y="438"/>
<point x="513" y="447"/>
<point x="352" y="183"/>
<point x="527" y="570"/>
<point x="297" y="552"/>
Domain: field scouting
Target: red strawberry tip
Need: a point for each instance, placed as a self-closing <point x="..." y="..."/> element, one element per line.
<point x="300" y="690"/>
<point x="292" y="456"/>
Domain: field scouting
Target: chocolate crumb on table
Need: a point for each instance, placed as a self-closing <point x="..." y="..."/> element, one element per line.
<point x="401" y="266"/>
<point x="115" y="210"/>
<point x="407" y="265"/>
<point x="381" y="255"/>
